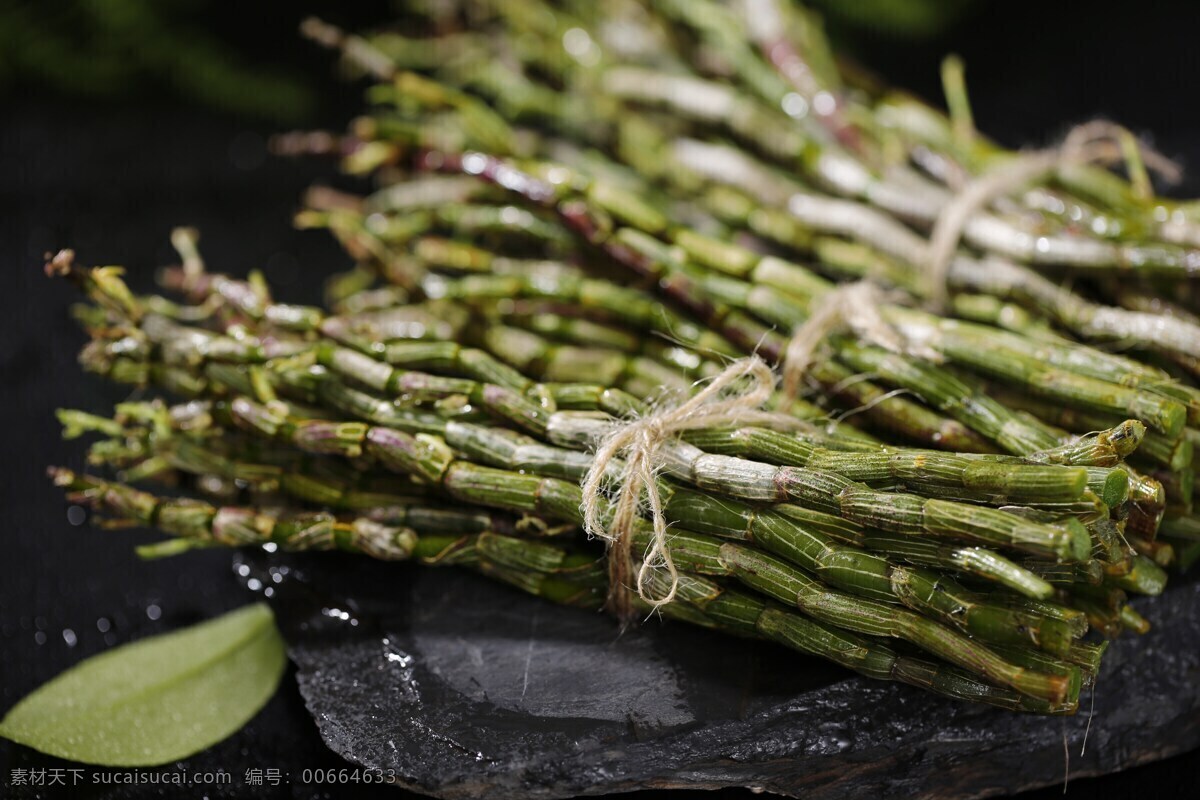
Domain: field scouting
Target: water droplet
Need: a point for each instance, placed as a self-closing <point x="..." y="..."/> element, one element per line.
<point x="474" y="163"/>
<point x="76" y="515"/>
<point x="376" y="223"/>
<point x="103" y="625"/>
<point x="794" y="105"/>
<point x="40" y="637"/>
<point x="253" y="584"/>
<point x="579" y="44"/>
<point x="153" y="612"/>
<point x="69" y="637"/>
<point x="398" y="658"/>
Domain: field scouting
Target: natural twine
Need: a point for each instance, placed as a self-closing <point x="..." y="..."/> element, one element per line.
<point x="735" y="396"/>
<point x="854" y="307"/>
<point x="1096" y="142"/>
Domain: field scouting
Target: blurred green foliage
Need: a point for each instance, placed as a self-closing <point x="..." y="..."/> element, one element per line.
<point x="204" y="51"/>
<point x="911" y="19"/>
<point x="126" y="49"/>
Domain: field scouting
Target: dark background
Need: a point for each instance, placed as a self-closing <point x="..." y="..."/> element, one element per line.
<point x="109" y="170"/>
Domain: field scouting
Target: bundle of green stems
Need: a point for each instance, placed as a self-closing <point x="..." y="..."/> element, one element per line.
<point x="581" y="214"/>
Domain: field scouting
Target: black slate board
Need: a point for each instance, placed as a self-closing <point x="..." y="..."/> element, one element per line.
<point x="112" y="180"/>
<point x="464" y="688"/>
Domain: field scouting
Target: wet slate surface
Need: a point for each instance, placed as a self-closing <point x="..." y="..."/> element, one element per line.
<point x="112" y="180"/>
<point x="464" y="688"/>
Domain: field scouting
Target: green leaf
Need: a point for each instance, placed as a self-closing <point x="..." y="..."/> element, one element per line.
<point x="159" y="699"/>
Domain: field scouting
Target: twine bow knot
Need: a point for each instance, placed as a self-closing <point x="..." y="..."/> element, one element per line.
<point x="1095" y="142"/>
<point x="854" y="307"/>
<point x="735" y="396"/>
